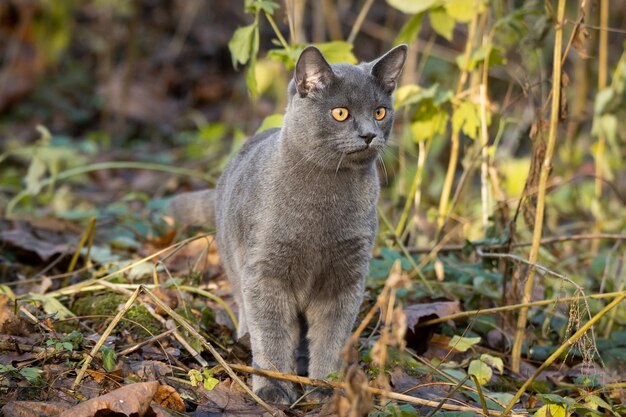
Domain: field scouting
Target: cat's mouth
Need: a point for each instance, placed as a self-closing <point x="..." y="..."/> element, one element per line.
<point x="358" y="150"/>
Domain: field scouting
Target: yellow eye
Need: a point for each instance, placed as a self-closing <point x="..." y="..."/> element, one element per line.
<point x="340" y="113"/>
<point x="380" y="113"/>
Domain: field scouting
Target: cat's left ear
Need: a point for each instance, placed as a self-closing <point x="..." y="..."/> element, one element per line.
<point x="312" y="71"/>
<point x="387" y="68"/>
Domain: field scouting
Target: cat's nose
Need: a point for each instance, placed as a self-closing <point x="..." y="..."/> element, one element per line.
<point x="367" y="137"/>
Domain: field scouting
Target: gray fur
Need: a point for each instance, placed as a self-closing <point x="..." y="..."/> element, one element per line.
<point x="296" y="216"/>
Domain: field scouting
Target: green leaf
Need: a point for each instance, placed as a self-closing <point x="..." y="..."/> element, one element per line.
<point x="6" y="368"/>
<point x="466" y="117"/>
<point x="33" y="375"/>
<point x="496" y="57"/>
<point x="109" y="359"/>
<point x="551" y="410"/>
<point x="210" y="383"/>
<point x="594" y="402"/>
<point x="442" y="22"/>
<point x="556" y="399"/>
<point x="273" y="120"/>
<point x="480" y="370"/>
<point x="255" y="6"/>
<point x="67" y="346"/>
<point x="52" y="306"/>
<point x="462" y="344"/>
<point x="429" y="124"/>
<point x="414" y="6"/>
<point x="195" y="377"/>
<point x="244" y="44"/>
<point x="493" y="361"/>
<point x="337" y="52"/>
<point x="410" y="30"/>
<point x="462" y="10"/>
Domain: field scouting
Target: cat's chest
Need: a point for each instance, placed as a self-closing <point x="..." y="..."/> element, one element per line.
<point x="322" y="214"/>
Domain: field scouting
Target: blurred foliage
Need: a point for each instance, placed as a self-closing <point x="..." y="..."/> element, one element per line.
<point x="107" y="107"/>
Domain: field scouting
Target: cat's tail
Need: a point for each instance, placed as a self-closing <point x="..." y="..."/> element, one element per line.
<point x="195" y="209"/>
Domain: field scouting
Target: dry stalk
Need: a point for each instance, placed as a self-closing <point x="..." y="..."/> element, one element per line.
<point x="454" y="139"/>
<point x="374" y="391"/>
<point x="602" y="79"/>
<point x="564" y="347"/>
<point x="89" y="356"/>
<point x="189" y="328"/>
<point x="541" y="194"/>
<point x="513" y="307"/>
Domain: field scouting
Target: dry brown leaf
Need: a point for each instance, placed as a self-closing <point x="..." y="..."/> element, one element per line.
<point x="417" y="337"/>
<point x="33" y="409"/>
<point x="227" y="400"/>
<point x="168" y="397"/>
<point x="24" y="239"/>
<point x="151" y="370"/>
<point x="10" y="323"/>
<point x="169" y="297"/>
<point x="131" y="399"/>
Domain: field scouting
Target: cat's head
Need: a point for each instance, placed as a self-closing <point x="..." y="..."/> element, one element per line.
<point x="341" y="115"/>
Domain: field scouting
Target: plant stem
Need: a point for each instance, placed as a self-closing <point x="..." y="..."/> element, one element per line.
<point x="282" y="40"/>
<point x="520" y="331"/>
<point x="359" y="20"/>
<point x="472" y="313"/>
<point x="454" y="138"/>
<point x="602" y="78"/>
<point x="568" y="343"/>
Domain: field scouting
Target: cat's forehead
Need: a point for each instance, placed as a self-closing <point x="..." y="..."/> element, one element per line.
<point x="357" y="82"/>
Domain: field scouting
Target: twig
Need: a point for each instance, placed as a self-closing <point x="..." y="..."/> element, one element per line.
<point x="515" y="307"/>
<point x="541" y="194"/>
<point x="185" y="324"/>
<point x="89" y="356"/>
<point x="152" y="339"/>
<point x="359" y="20"/>
<point x="72" y="289"/>
<point x="544" y="241"/>
<point x="568" y="343"/>
<point x="375" y="391"/>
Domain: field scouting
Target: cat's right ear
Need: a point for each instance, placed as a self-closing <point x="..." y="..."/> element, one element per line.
<point x="312" y="71"/>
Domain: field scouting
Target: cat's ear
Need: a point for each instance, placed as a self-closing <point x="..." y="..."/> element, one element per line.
<point x="387" y="68"/>
<point x="312" y="71"/>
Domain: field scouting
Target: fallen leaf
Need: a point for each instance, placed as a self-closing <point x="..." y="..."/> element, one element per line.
<point x="10" y="323"/>
<point x="417" y="337"/>
<point x="33" y="409"/>
<point x="151" y="370"/>
<point x="129" y="400"/>
<point x="226" y="400"/>
<point x="25" y="240"/>
<point x="168" y="397"/>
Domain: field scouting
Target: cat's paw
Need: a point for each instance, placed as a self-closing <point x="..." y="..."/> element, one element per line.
<point x="275" y="394"/>
<point x="319" y="395"/>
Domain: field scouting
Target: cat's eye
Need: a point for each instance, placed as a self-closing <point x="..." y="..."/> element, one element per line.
<point x="379" y="113"/>
<point x="340" y="113"/>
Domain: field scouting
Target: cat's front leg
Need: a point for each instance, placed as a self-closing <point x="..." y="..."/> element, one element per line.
<point x="274" y="334"/>
<point x="330" y="318"/>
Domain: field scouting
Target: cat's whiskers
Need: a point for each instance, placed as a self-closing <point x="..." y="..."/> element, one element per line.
<point x="382" y="162"/>
<point x="343" y="154"/>
<point x="306" y="158"/>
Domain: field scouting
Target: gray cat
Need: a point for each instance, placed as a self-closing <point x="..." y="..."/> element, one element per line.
<point x="295" y="212"/>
